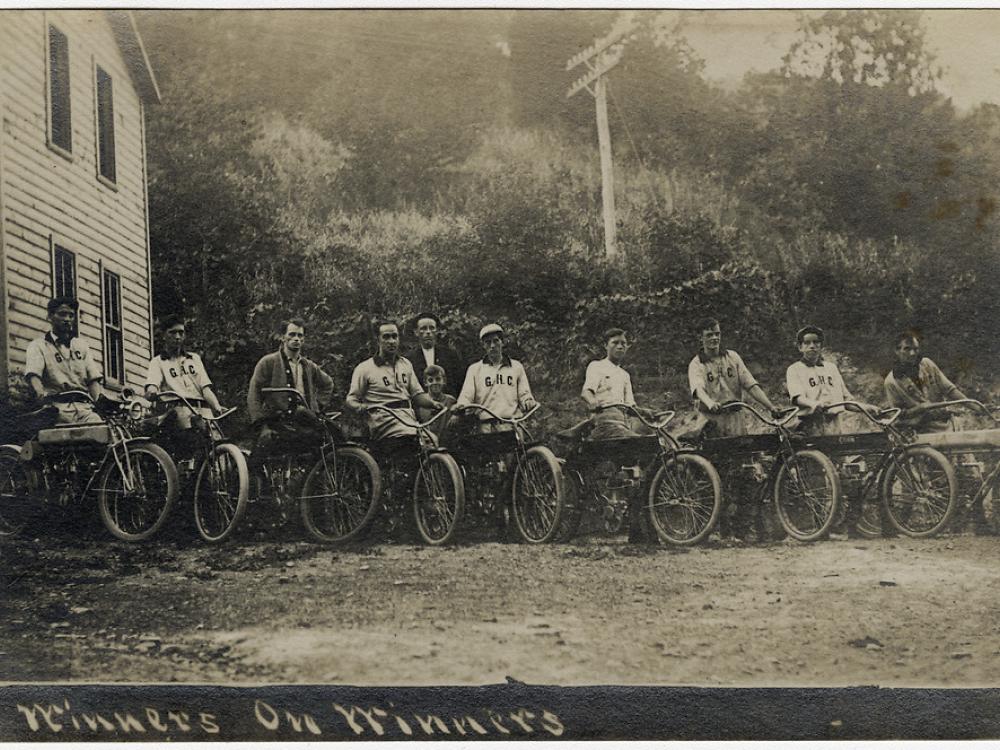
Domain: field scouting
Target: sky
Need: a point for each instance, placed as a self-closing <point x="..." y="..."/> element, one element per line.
<point x="733" y="42"/>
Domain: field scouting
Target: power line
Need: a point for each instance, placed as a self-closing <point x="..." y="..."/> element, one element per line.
<point x="631" y="140"/>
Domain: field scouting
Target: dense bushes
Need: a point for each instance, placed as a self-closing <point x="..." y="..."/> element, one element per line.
<point x="862" y="207"/>
<point x="666" y="322"/>
<point x="514" y="259"/>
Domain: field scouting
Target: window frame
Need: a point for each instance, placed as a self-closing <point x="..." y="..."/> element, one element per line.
<point x="109" y="182"/>
<point x="66" y="153"/>
<point x="111" y="379"/>
<point x="55" y="246"/>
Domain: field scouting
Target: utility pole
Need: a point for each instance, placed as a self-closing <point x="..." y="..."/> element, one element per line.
<point x="600" y="57"/>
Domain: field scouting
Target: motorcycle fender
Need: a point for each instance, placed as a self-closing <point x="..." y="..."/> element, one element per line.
<point x="138" y="440"/>
<point x="350" y="444"/>
<point x="16" y="448"/>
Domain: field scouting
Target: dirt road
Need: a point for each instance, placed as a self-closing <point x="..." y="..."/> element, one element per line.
<point x="887" y="612"/>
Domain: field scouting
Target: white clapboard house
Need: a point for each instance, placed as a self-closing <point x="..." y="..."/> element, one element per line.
<point x="74" y="86"/>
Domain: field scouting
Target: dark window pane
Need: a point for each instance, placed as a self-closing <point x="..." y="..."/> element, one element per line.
<point x="64" y="276"/>
<point x="64" y="273"/>
<point x="114" y="349"/>
<point x="105" y="125"/>
<point x="60" y="121"/>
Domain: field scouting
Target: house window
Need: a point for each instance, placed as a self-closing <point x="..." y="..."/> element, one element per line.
<point x="63" y="272"/>
<point x="60" y="122"/>
<point x="114" y="353"/>
<point x="105" y="126"/>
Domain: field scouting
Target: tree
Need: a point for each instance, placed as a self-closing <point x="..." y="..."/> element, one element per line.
<point x="875" y="47"/>
<point x="541" y="42"/>
<point x="853" y="137"/>
<point x="660" y="102"/>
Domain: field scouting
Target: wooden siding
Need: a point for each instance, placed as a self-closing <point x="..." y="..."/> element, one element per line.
<point x="46" y="196"/>
<point x="4" y="342"/>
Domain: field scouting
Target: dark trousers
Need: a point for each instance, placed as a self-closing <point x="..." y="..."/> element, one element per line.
<point x="179" y="441"/>
<point x="296" y="431"/>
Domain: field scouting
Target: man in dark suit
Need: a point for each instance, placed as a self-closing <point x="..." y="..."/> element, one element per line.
<point x="431" y="352"/>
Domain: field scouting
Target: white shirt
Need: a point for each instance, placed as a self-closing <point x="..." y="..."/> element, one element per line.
<point x="610" y="383"/>
<point x="385" y="382"/>
<point x="723" y="378"/>
<point x="295" y="365"/>
<point x="184" y="374"/>
<point x="822" y="384"/>
<point x="60" y="367"/>
<point x="501" y="389"/>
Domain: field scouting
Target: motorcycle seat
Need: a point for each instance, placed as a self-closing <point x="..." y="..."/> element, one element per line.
<point x="89" y="434"/>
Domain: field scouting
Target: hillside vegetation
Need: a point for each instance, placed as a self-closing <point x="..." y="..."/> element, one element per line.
<point x="344" y="165"/>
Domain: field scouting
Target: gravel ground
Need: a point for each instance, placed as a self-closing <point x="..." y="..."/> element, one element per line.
<point x="891" y="612"/>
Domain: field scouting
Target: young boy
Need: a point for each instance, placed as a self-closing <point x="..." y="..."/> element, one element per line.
<point x="814" y="383"/>
<point x="607" y="382"/>
<point x="436" y="379"/>
<point x="181" y="371"/>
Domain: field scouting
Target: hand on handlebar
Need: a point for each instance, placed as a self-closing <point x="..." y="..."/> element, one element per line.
<point x="921" y="409"/>
<point x="777" y="412"/>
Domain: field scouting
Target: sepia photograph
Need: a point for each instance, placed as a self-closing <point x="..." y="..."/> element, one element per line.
<point x="499" y="373"/>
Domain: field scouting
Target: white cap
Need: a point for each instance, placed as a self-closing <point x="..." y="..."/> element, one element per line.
<point x="489" y="328"/>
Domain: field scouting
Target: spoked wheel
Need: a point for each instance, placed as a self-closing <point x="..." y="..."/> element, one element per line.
<point x="438" y="498"/>
<point x="685" y="500"/>
<point x="538" y="495"/>
<point x="220" y="493"/>
<point x="341" y="495"/>
<point x="807" y="495"/>
<point x="574" y="494"/>
<point x="136" y="499"/>
<point x="919" y="491"/>
<point x="16" y="500"/>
